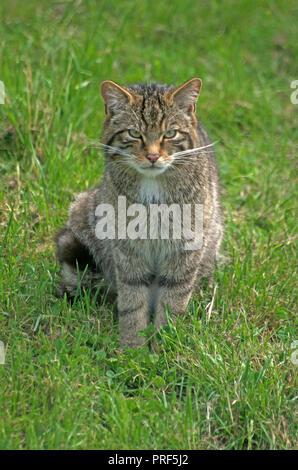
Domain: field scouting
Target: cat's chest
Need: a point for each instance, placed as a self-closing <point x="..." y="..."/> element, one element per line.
<point x="154" y="249"/>
<point x="156" y="252"/>
<point x="149" y="225"/>
<point x="150" y="191"/>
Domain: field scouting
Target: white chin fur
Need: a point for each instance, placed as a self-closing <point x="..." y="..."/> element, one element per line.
<point x="151" y="172"/>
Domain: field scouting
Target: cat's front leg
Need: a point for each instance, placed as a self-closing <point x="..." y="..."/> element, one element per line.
<point x="133" y="281"/>
<point x="133" y="313"/>
<point x="175" y="289"/>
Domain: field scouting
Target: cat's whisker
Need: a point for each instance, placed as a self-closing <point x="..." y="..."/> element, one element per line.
<point x="173" y="116"/>
<point x="135" y="114"/>
<point x="177" y="162"/>
<point x="110" y="149"/>
<point x="117" y="162"/>
<point x="115" y="152"/>
<point x="191" y="156"/>
<point x="185" y="161"/>
<point x="182" y="164"/>
<point x="190" y="151"/>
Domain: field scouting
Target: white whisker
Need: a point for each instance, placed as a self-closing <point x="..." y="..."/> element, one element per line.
<point x="110" y="149"/>
<point x="115" y="162"/>
<point x="173" y="116"/>
<point x="185" y="160"/>
<point x="135" y="114"/>
<point x="188" y="157"/>
<point x="189" y="151"/>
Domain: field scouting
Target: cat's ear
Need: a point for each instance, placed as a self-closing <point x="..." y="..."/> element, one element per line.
<point x="186" y="95"/>
<point x="115" y="96"/>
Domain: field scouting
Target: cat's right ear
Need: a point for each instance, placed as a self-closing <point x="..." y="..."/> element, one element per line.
<point x="114" y="96"/>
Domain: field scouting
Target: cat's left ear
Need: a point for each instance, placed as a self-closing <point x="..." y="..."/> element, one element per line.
<point x="186" y="95"/>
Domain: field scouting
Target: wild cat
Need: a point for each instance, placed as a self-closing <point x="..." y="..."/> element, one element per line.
<point x="156" y="153"/>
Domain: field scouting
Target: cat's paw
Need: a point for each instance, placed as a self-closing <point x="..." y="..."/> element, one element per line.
<point x="132" y="342"/>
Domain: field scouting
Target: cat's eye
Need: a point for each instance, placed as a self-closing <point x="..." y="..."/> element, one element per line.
<point x="170" y="134"/>
<point x="135" y="134"/>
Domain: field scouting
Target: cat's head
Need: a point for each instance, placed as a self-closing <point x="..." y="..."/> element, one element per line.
<point x="147" y="126"/>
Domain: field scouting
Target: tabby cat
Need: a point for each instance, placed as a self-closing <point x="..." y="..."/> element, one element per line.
<point x="156" y="153"/>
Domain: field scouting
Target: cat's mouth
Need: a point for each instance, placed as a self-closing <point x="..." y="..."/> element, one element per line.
<point x="153" y="169"/>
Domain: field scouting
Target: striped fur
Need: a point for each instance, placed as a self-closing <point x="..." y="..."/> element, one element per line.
<point x="147" y="276"/>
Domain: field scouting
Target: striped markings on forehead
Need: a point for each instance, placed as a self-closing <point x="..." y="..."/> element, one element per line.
<point x="152" y="111"/>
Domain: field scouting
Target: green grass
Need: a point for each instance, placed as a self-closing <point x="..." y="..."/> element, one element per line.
<point x="223" y="377"/>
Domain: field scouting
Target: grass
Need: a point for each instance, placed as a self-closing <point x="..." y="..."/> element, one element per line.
<point x="223" y="378"/>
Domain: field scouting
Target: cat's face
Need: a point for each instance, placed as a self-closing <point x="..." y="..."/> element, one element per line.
<point x="147" y="126"/>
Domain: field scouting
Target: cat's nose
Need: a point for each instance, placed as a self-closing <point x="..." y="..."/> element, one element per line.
<point x="152" y="157"/>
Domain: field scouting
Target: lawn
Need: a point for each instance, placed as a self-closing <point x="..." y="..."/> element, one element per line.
<point x="225" y="375"/>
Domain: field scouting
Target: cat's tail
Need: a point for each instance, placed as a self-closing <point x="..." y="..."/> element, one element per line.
<point x="79" y="271"/>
